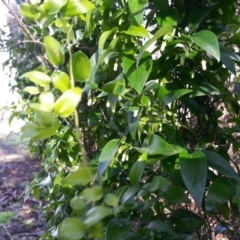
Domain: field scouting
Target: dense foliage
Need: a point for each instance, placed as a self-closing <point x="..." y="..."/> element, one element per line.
<point x="133" y="107"/>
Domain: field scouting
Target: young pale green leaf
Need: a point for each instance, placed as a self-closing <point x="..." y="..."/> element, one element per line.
<point x="111" y="199"/>
<point x="137" y="76"/>
<point x="160" y="33"/>
<point x="77" y="7"/>
<point x="118" y="229"/>
<point x="83" y="176"/>
<point x="39" y="107"/>
<point x="137" y="8"/>
<point x="71" y="229"/>
<point x="159" y="226"/>
<point x="67" y="102"/>
<point x="45" y="118"/>
<point x="107" y="155"/>
<point x="174" y="95"/>
<point x="45" y="20"/>
<point x="81" y="66"/>
<point x="37" y="77"/>
<point x="220" y="164"/>
<point x="29" y="11"/>
<point x="92" y="194"/>
<point x="53" y="6"/>
<point x="221" y="191"/>
<point x="103" y="38"/>
<point x="96" y="214"/>
<point x="30" y="130"/>
<point x="137" y="31"/>
<point x="54" y="51"/>
<point x="48" y="131"/>
<point x="47" y="100"/>
<point x="208" y="41"/>
<point x="138" y="169"/>
<point x="238" y="195"/>
<point x="31" y="90"/>
<point x="61" y="81"/>
<point x="194" y="172"/>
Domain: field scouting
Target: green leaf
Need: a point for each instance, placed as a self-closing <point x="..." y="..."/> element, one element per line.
<point x="67" y="102"/>
<point x="159" y="226"/>
<point x="208" y="41"/>
<point x="237" y="89"/>
<point x="107" y="155"/>
<point x="168" y="18"/>
<point x="83" y="176"/>
<point x="81" y="66"/>
<point x="238" y="195"/>
<point x="116" y="86"/>
<point x="133" y="121"/>
<point x="137" y="76"/>
<point x="54" y="51"/>
<point x="194" y="172"/>
<point x="220" y="164"/>
<point x="29" y="11"/>
<point x="204" y="90"/>
<point x="71" y="229"/>
<point x="96" y="214"/>
<point x="53" y="6"/>
<point x="77" y="7"/>
<point x="77" y="203"/>
<point x="220" y="192"/>
<point x="111" y="200"/>
<point x="159" y="146"/>
<point x="160" y="33"/>
<point x="103" y="38"/>
<point x="61" y="81"/>
<point x="158" y="183"/>
<point x="92" y="194"/>
<point x="137" y="169"/>
<point x="47" y="100"/>
<point x="118" y="229"/>
<point x="31" y="90"/>
<point x="37" y="77"/>
<point x="137" y="8"/>
<point x="174" y="95"/>
<point x="174" y="194"/>
<point x="137" y="31"/>
<point x="129" y="193"/>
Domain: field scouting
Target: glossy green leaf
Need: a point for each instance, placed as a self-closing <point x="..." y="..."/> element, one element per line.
<point x="205" y="90"/>
<point x="219" y="193"/>
<point x="160" y="33"/>
<point x="29" y="11"/>
<point x="66" y="104"/>
<point x="96" y="214"/>
<point x="54" y="51"/>
<point x="194" y="172"/>
<point x="129" y="193"/>
<point x="53" y="6"/>
<point x="174" y="95"/>
<point x="83" y="176"/>
<point x="111" y="199"/>
<point x="137" y="31"/>
<point x="137" y="76"/>
<point x="208" y="41"/>
<point x="159" y="146"/>
<point x="71" y="229"/>
<point x="61" y="81"/>
<point x="116" y="86"/>
<point x="159" y="226"/>
<point x="103" y="38"/>
<point x="47" y="100"/>
<point x="137" y="8"/>
<point x="137" y="169"/>
<point x="92" y="194"/>
<point x="81" y="66"/>
<point x="37" y="77"/>
<point x="168" y="18"/>
<point x="77" y="7"/>
<point x="31" y="90"/>
<point x="158" y="183"/>
<point x="107" y="156"/>
<point x="174" y="194"/>
<point x="220" y="164"/>
<point x="118" y="229"/>
<point x="77" y="203"/>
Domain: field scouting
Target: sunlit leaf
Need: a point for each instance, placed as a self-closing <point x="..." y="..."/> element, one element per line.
<point x="53" y="6"/>
<point x="61" y="81"/>
<point x="29" y="11"/>
<point x="37" y="77"/>
<point x="137" y="8"/>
